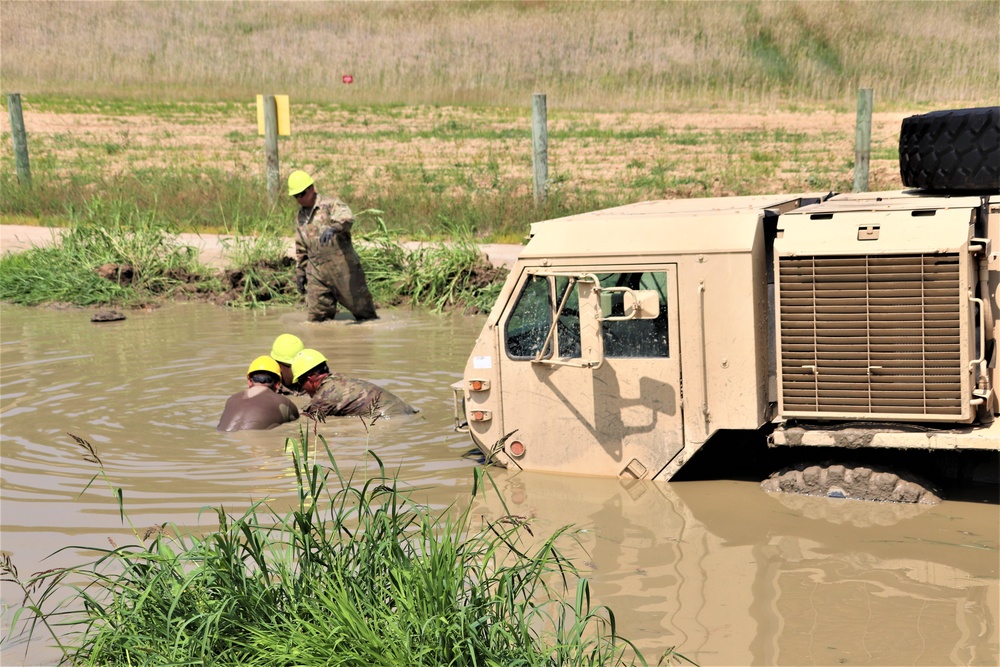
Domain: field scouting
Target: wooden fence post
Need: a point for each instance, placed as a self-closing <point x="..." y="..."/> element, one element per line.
<point x="20" y="139"/>
<point x="863" y="140"/>
<point x="271" y="148"/>
<point x="539" y="147"/>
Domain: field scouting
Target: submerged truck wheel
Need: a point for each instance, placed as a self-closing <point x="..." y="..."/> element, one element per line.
<point x="951" y="151"/>
<point x="854" y="482"/>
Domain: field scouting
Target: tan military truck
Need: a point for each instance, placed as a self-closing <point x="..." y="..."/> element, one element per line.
<point x="626" y="340"/>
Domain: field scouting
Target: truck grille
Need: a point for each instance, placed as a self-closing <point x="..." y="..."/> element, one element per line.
<point x="871" y="337"/>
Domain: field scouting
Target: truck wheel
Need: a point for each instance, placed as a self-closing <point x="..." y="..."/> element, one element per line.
<point x="952" y="151"/>
<point x="851" y="481"/>
<point x="859" y="515"/>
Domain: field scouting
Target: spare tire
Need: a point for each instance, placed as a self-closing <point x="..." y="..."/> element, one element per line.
<point x="951" y="151"/>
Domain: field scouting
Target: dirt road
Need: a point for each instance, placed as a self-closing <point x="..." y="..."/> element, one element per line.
<point x="14" y="238"/>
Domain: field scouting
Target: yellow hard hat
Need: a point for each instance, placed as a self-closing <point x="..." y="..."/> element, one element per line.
<point x="305" y="361"/>
<point x="298" y="181"/>
<point x="264" y="363"/>
<point x="285" y="347"/>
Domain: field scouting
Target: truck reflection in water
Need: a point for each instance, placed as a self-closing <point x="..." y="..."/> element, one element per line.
<point x="733" y="576"/>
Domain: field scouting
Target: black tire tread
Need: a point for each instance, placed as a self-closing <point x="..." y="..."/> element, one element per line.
<point x="951" y="151"/>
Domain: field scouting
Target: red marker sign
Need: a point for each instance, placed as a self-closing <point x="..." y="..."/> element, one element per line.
<point x="347" y="78"/>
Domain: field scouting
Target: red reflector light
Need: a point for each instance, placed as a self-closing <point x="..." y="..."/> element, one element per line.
<point x="478" y="415"/>
<point x="517" y="448"/>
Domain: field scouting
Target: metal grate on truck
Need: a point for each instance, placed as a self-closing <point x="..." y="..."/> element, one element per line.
<point x="871" y="337"/>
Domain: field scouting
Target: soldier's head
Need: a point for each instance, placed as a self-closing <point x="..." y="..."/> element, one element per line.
<point x="284" y="349"/>
<point x="302" y="187"/>
<point x="309" y="369"/>
<point x="264" y="371"/>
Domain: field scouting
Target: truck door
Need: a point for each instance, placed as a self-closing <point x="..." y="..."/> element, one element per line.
<point x="585" y="389"/>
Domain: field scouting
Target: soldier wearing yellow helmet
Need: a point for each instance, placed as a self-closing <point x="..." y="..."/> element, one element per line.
<point x="336" y="395"/>
<point x="258" y="406"/>
<point x="328" y="270"/>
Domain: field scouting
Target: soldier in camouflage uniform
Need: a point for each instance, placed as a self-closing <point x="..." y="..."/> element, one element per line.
<point x="336" y="395"/>
<point x="328" y="270"/>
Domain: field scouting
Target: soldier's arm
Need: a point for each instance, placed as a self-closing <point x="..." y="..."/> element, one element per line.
<point x="290" y="411"/>
<point x="339" y="217"/>
<point x="301" y="254"/>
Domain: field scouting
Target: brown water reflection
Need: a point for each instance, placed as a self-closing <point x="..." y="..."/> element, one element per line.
<point x="726" y="573"/>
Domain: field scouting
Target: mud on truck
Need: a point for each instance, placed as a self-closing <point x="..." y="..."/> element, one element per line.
<point x="626" y="340"/>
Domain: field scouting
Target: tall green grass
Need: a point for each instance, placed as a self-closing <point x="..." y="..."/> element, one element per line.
<point x="188" y="196"/>
<point x="260" y="272"/>
<point x="359" y="573"/>
<point x="436" y="275"/>
<point x="105" y="232"/>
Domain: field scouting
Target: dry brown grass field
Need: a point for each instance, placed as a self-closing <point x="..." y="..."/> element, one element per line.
<point x="646" y="56"/>
<point x="422" y="164"/>
<point x="152" y="102"/>
<point x="478" y="150"/>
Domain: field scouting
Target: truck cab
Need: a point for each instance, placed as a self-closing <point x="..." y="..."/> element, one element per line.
<point x="625" y="339"/>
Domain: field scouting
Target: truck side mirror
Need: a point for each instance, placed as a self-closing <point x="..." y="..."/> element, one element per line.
<point x="622" y="303"/>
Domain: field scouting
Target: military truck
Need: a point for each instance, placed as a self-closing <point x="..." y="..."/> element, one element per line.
<point x="625" y="340"/>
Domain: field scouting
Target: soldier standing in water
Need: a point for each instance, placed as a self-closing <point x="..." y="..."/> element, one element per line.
<point x="328" y="270"/>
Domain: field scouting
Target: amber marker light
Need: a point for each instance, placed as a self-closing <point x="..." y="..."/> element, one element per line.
<point x="517" y="448"/>
<point x="479" y="385"/>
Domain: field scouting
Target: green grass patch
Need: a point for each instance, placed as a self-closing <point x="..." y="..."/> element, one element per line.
<point x="885" y="153"/>
<point x="359" y="573"/>
<point x="439" y="276"/>
<point x="139" y="255"/>
<point x="114" y="255"/>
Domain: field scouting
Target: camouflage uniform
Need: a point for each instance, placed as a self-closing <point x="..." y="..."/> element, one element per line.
<point x="256" y="408"/>
<point x="341" y="396"/>
<point x="333" y="272"/>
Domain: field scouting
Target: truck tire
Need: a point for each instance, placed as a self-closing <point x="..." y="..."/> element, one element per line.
<point x="951" y="151"/>
<point x="857" y="482"/>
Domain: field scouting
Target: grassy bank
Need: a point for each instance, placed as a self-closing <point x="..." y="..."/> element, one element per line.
<point x="651" y="56"/>
<point x="359" y="573"/>
<point x="114" y="254"/>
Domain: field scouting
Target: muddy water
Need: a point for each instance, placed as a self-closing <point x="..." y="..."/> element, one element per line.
<point x="728" y="574"/>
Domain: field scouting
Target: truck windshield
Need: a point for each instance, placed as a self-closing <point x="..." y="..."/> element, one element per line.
<point x="532" y="315"/>
<point x="530" y="320"/>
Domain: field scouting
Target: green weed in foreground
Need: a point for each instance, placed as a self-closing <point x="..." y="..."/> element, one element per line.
<point x="357" y="574"/>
